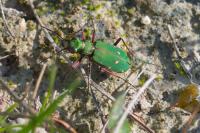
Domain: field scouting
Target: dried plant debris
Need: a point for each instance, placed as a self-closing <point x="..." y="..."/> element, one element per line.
<point x="189" y="97"/>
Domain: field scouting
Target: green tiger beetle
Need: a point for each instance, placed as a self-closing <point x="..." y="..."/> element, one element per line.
<point x="105" y="54"/>
<point x="110" y="57"/>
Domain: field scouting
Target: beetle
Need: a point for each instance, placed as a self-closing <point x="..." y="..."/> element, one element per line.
<point x="105" y="54"/>
<point x="109" y="57"/>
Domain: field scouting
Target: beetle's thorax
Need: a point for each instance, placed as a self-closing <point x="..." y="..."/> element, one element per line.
<point x="84" y="47"/>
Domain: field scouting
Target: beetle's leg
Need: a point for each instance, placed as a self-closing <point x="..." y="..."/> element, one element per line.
<point x="93" y="32"/>
<point x="82" y="35"/>
<point x="93" y="36"/>
<point x="117" y="41"/>
<point x="77" y="63"/>
<point x="115" y="75"/>
<point x="129" y="50"/>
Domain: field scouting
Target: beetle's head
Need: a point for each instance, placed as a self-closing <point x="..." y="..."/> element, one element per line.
<point x="76" y="45"/>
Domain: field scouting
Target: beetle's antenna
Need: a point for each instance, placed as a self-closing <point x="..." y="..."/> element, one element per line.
<point x="93" y="33"/>
<point x="113" y="74"/>
<point x="54" y="32"/>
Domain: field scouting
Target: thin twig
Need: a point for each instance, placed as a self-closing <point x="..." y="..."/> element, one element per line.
<point x="65" y="124"/>
<point x="188" y="123"/>
<point x="173" y="40"/>
<point x="133" y="103"/>
<point x="4" y="20"/>
<point x="39" y="81"/>
<point x="17" y="98"/>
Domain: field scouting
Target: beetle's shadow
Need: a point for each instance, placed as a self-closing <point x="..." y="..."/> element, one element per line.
<point x="96" y="74"/>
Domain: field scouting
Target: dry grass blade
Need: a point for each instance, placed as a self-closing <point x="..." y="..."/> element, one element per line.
<point x="133" y="103"/>
<point x="39" y="81"/>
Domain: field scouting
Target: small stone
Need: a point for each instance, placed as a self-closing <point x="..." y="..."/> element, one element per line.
<point x="22" y="25"/>
<point x="146" y="20"/>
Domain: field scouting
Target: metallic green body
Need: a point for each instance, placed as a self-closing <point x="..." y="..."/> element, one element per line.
<point x="105" y="54"/>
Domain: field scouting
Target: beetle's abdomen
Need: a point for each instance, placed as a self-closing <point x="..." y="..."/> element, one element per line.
<point x="111" y="57"/>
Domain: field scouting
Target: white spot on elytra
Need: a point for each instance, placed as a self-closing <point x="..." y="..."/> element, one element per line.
<point x="116" y="62"/>
<point x="118" y="52"/>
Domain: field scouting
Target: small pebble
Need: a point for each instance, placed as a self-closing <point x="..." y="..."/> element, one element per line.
<point x="22" y="25"/>
<point x="146" y="20"/>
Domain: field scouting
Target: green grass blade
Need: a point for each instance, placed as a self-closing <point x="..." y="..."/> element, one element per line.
<point x="52" y="77"/>
<point x="9" y="110"/>
<point x="116" y="113"/>
<point x="40" y="118"/>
